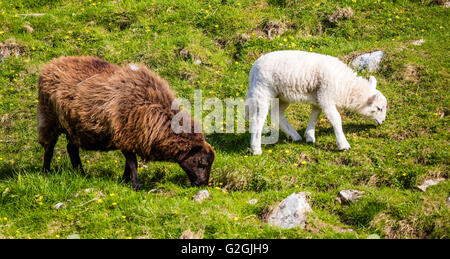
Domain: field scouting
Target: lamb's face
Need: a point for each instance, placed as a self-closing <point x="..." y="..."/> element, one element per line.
<point x="197" y="164"/>
<point x="375" y="107"/>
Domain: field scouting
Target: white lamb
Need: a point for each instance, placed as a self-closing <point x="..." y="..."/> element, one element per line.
<point x="323" y="81"/>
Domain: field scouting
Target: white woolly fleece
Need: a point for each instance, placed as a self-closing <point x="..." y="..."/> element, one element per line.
<point x="323" y="81"/>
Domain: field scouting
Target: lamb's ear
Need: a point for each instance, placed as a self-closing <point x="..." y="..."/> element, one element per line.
<point x="371" y="99"/>
<point x="373" y="82"/>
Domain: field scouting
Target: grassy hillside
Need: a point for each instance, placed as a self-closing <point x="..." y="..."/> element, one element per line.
<point x="221" y="40"/>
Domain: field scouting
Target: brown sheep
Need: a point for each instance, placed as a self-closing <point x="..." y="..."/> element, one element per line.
<point x="102" y="106"/>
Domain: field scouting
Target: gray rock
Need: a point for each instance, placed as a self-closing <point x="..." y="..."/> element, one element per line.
<point x="368" y="61"/>
<point x="59" y="205"/>
<point x="349" y="196"/>
<point x="418" y="42"/>
<point x="201" y="196"/>
<point x="291" y="212"/>
<point x="429" y="183"/>
<point x="253" y="201"/>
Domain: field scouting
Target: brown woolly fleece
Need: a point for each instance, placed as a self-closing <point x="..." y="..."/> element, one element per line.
<point x="102" y="106"/>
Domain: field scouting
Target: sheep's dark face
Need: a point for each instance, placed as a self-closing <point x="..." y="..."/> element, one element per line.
<point x="197" y="164"/>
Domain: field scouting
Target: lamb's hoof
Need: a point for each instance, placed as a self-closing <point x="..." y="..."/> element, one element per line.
<point x="310" y="140"/>
<point x="255" y="151"/>
<point x="297" y="138"/>
<point x="344" y="148"/>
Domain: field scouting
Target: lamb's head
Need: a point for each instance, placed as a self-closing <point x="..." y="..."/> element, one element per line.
<point x="375" y="106"/>
<point x="197" y="163"/>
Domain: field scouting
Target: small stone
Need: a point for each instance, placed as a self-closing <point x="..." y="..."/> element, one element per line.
<point x="188" y="234"/>
<point x="73" y="236"/>
<point x="291" y="212"/>
<point x="201" y="196"/>
<point x="368" y="61"/>
<point x="59" y="205"/>
<point x="253" y="201"/>
<point x="349" y="196"/>
<point x="429" y="183"/>
<point x="197" y="62"/>
<point x="373" y="236"/>
<point x="28" y="29"/>
<point x="418" y="42"/>
<point x="448" y="201"/>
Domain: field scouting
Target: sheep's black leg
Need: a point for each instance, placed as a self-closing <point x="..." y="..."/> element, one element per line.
<point x="131" y="169"/>
<point x="74" y="154"/>
<point x="48" y="154"/>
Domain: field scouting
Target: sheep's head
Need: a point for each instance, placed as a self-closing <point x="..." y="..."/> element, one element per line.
<point x="197" y="163"/>
<point x="375" y="106"/>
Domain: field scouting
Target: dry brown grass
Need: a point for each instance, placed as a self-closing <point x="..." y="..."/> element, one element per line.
<point x="341" y="14"/>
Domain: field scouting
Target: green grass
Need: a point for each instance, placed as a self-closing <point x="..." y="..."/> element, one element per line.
<point x="386" y="162"/>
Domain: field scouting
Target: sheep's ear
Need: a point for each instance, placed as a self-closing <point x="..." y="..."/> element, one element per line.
<point x="373" y="82"/>
<point x="371" y="99"/>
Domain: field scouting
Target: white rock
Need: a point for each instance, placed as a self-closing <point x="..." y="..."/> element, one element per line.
<point x="197" y="62"/>
<point x="291" y="212"/>
<point x="418" y="42"/>
<point x="253" y="201"/>
<point x="368" y="61"/>
<point x="349" y="196"/>
<point x="429" y="183"/>
<point x="201" y="195"/>
<point x="73" y="236"/>
<point x="59" y="205"/>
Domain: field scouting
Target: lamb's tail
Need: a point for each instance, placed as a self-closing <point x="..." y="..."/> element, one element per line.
<point x="249" y="95"/>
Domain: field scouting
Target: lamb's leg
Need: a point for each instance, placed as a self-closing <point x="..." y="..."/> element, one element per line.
<point x="285" y="126"/>
<point x="74" y="154"/>
<point x="130" y="169"/>
<point x="310" y="129"/>
<point x="335" y="119"/>
<point x="257" y="114"/>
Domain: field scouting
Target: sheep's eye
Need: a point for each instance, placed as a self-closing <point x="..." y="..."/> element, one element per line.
<point x="379" y="109"/>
